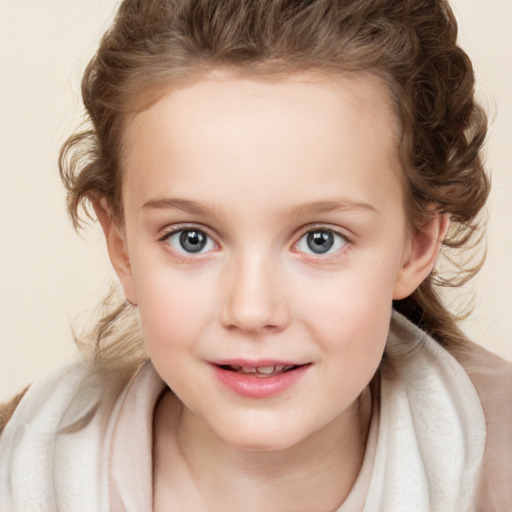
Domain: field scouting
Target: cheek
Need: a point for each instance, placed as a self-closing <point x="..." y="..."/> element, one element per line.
<point x="173" y="308"/>
<point x="360" y="292"/>
<point x="349" y="316"/>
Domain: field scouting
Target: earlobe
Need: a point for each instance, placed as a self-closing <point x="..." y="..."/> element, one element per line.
<point x="424" y="250"/>
<point x="117" y="249"/>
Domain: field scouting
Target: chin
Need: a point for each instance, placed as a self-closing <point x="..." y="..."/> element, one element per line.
<point x="261" y="445"/>
<point x="264" y="438"/>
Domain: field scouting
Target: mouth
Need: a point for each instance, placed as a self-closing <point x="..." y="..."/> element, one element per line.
<point x="260" y="371"/>
<point x="259" y="379"/>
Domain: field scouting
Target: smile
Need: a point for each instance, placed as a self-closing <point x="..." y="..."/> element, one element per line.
<point x="259" y="380"/>
<point x="260" y="371"/>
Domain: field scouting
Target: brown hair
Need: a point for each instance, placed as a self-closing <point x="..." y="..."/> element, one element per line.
<point x="410" y="44"/>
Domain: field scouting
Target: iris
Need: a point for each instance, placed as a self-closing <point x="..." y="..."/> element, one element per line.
<point x="320" y="241"/>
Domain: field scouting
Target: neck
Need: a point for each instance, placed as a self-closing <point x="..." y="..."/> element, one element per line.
<point x="315" y="474"/>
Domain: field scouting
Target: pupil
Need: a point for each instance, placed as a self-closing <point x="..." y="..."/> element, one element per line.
<point x="192" y="241"/>
<point x="320" y="241"/>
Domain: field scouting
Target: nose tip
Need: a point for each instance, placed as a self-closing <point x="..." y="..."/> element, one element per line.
<point x="254" y="303"/>
<point x="252" y="324"/>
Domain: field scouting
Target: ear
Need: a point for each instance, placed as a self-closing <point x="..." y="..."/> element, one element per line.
<point x="424" y="247"/>
<point x="117" y="248"/>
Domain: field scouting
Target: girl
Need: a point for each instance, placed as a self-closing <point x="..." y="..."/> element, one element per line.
<point x="275" y="180"/>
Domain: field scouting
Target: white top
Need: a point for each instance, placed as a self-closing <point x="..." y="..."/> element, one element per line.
<point x="424" y="448"/>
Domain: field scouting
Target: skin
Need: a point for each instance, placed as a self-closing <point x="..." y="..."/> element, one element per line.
<point x="255" y="165"/>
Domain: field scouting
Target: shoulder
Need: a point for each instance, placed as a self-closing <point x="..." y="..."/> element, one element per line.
<point x="7" y="408"/>
<point x="62" y="418"/>
<point x="484" y="378"/>
<point x="42" y="402"/>
<point x="492" y="379"/>
<point x="491" y="375"/>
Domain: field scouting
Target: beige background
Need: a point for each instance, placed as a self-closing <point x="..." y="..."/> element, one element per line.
<point x="49" y="276"/>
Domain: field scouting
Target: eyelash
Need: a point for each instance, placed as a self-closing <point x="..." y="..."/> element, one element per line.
<point x="317" y="258"/>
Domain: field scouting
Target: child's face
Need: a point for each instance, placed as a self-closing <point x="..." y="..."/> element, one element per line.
<point x="264" y="226"/>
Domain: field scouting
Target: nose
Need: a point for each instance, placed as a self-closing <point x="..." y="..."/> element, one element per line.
<point x="255" y="299"/>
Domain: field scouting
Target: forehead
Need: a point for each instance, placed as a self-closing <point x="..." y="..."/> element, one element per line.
<point x="243" y="132"/>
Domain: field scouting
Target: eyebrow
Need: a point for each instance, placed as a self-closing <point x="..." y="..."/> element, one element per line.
<point x="315" y="207"/>
<point x="175" y="203"/>
<point x="331" y="205"/>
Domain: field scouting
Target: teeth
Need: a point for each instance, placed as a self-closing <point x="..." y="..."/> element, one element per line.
<point x="266" y="369"/>
<point x="262" y="371"/>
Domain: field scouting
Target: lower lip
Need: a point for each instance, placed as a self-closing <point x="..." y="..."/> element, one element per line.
<point x="250" y="386"/>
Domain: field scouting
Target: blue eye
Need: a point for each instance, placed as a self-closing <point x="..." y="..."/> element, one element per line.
<point x="190" y="241"/>
<point x="321" y="241"/>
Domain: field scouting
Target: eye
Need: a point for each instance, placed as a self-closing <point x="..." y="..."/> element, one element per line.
<point x="321" y="241"/>
<point x="190" y="241"/>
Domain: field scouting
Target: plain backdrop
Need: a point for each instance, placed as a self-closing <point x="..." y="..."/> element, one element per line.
<point x="51" y="278"/>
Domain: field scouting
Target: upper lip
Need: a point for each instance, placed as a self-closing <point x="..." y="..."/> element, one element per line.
<point x="256" y="363"/>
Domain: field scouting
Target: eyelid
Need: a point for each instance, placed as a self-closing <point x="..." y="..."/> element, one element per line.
<point x="323" y="227"/>
<point x="166" y="232"/>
